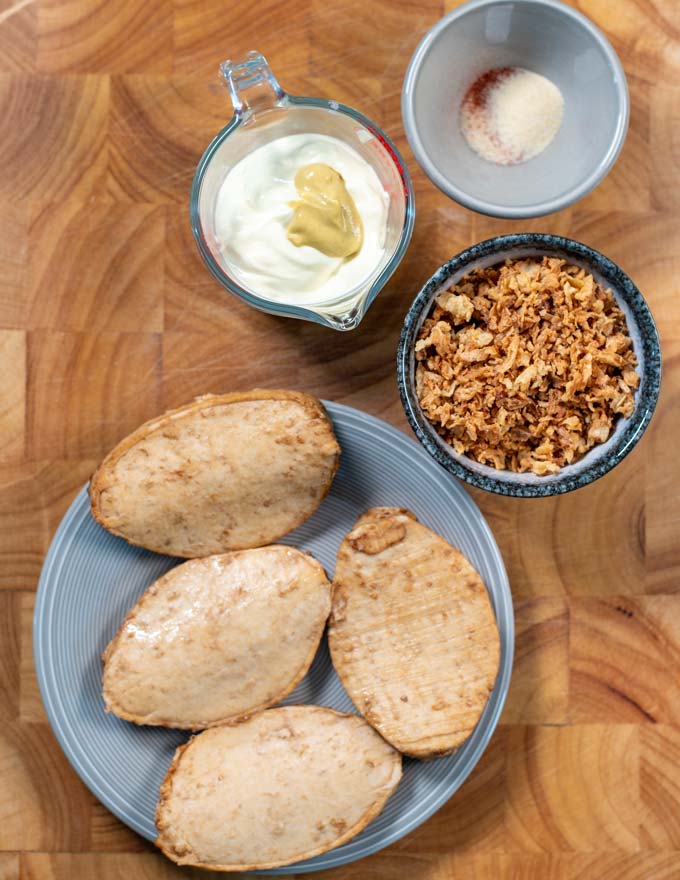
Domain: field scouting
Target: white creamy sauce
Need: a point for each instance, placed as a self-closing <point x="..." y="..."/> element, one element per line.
<point x="253" y="210"/>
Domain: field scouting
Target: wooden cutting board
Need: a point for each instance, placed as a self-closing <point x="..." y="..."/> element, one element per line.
<point x="107" y="317"/>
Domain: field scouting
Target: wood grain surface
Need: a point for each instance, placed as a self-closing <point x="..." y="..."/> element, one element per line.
<point x="107" y="317"/>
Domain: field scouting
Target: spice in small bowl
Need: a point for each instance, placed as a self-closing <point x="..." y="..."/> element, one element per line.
<point x="510" y="115"/>
<point x="520" y="63"/>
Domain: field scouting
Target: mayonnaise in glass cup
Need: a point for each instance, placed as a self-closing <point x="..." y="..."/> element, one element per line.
<point x="264" y="113"/>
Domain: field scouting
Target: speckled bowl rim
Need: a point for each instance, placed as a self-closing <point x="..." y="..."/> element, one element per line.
<point x="619" y="444"/>
<point x="495" y="209"/>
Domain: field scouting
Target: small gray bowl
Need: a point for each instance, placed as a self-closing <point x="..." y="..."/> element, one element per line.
<point x="544" y="36"/>
<point x="643" y="332"/>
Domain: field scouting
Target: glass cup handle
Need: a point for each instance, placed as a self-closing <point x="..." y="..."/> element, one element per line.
<point x="252" y="85"/>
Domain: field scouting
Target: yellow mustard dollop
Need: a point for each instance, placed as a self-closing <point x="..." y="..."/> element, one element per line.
<point x="325" y="216"/>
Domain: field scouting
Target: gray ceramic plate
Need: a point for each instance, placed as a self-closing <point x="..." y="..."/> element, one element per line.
<point x="90" y="579"/>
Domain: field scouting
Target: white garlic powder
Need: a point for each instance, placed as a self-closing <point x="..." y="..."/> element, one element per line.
<point x="510" y="115"/>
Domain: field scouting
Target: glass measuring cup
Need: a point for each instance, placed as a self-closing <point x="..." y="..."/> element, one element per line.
<point x="264" y="112"/>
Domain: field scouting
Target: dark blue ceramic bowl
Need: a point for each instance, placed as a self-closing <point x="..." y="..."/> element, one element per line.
<point x="643" y="332"/>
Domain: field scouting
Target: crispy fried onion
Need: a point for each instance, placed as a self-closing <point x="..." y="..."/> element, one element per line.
<point x="526" y="366"/>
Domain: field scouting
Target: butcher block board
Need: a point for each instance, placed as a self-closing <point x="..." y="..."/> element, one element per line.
<point x="108" y="317"/>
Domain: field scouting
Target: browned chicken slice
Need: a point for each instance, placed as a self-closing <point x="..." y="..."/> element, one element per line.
<point x="218" y="638"/>
<point x="283" y="786"/>
<point x="226" y="472"/>
<point x="412" y="633"/>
